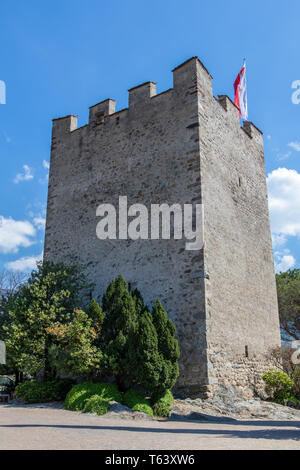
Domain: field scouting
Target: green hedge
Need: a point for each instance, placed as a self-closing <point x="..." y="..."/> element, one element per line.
<point x="79" y="394"/>
<point x="137" y="402"/>
<point x="96" y="404"/>
<point x="162" y="404"/>
<point x="42" y="392"/>
<point x="279" y="386"/>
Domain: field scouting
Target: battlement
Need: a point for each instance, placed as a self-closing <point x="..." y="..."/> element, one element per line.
<point x="189" y="78"/>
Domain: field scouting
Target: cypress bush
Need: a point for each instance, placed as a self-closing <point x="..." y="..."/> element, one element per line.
<point x="139" y="347"/>
<point x="119" y="328"/>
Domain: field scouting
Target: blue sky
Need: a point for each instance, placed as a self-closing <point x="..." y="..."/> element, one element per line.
<point x="59" y="58"/>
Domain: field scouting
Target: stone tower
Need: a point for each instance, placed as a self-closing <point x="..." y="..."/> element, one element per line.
<point x="180" y="146"/>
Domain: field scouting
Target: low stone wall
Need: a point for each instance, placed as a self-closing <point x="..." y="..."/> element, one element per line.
<point x="244" y="373"/>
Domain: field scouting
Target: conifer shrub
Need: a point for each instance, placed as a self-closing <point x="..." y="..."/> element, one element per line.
<point x="139" y="347"/>
<point x="137" y="402"/>
<point x="80" y="393"/>
<point x="162" y="404"/>
<point x="96" y="404"/>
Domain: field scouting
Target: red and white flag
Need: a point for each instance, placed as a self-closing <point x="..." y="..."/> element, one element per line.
<point x="240" y="93"/>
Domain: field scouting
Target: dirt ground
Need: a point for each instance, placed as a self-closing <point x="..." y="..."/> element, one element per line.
<point x="23" y="427"/>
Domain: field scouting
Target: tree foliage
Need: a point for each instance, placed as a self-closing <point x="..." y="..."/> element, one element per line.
<point x="139" y="347"/>
<point x="288" y="290"/>
<point x="74" y="350"/>
<point x="119" y="328"/>
<point x="45" y="329"/>
<point x="47" y="299"/>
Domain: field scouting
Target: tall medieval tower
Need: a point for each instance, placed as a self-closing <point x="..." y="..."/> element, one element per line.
<point x="181" y="146"/>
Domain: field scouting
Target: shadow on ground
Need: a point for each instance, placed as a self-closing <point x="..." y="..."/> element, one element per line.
<point x="274" y="434"/>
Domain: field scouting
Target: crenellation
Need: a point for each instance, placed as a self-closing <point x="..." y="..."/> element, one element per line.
<point x="253" y="132"/>
<point x="64" y="125"/>
<point x="230" y="108"/>
<point x="141" y="93"/>
<point x="99" y="111"/>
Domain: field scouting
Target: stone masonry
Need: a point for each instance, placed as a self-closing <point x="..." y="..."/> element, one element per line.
<point x="181" y="146"/>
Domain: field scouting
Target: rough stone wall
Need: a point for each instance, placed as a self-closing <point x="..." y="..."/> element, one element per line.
<point x="241" y="301"/>
<point x="149" y="154"/>
<point x="181" y="146"/>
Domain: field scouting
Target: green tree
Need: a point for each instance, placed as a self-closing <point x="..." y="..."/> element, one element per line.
<point x="74" y="351"/>
<point x="97" y="316"/>
<point x="288" y="291"/>
<point x="139" y="347"/>
<point x="47" y="299"/>
<point x="146" y="363"/>
<point x="119" y="328"/>
<point x="167" y="345"/>
<point x="140" y="307"/>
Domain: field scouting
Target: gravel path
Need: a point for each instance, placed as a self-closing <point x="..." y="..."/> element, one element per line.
<point x="33" y="427"/>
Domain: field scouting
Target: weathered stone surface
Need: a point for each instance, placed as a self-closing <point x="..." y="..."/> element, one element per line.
<point x="123" y="412"/>
<point x="231" y="409"/>
<point x="181" y="146"/>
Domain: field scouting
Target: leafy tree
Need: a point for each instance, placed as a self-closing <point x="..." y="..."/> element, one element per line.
<point x="288" y="290"/>
<point x="73" y="351"/>
<point x="47" y="299"/>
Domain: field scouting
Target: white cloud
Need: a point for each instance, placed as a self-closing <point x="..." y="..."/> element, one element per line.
<point x="278" y="239"/>
<point x="269" y="137"/>
<point x="284" y="201"/>
<point x="284" y="263"/>
<point x="15" y="234"/>
<point x="46" y="165"/>
<point x="27" y="263"/>
<point x="39" y="222"/>
<point x="26" y="176"/>
<point x="295" y="146"/>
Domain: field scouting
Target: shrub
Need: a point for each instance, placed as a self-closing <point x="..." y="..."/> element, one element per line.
<point x="79" y="394"/>
<point x="279" y="385"/>
<point x="295" y="375"/>
<point x="137" y="402"/>
<point x="97" y="405"/>
<point x="41" y="392"/>
<point x="138" y="345"/>
<point x="162" y="404"/>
